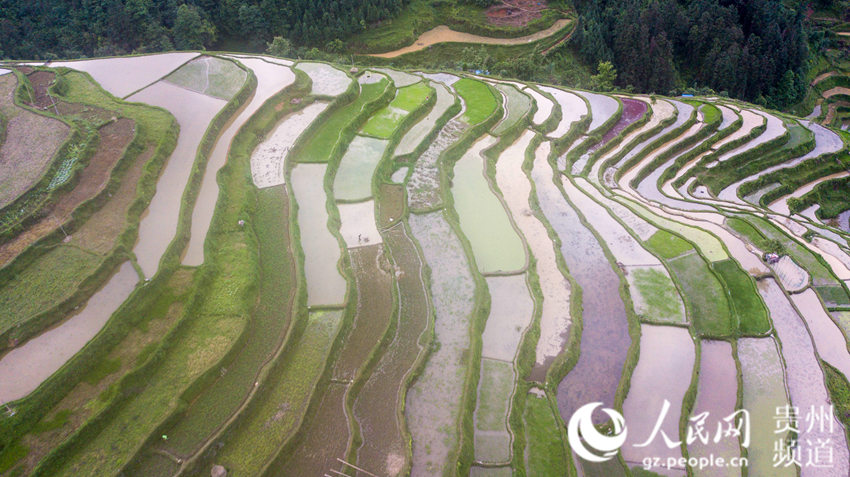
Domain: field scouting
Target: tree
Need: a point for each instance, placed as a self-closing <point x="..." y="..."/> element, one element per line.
<point x="191" y="30"/>
<point x="279" y="46"/>
<point x="605" y="77"/>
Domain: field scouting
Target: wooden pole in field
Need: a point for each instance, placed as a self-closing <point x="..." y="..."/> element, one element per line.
<point x="356" y="468"/>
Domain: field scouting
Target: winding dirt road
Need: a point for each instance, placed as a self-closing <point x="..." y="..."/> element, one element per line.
<point x="443" y="34"/>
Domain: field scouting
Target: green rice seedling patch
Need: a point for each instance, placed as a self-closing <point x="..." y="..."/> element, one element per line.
<point x="659" y="297"/>
<point x="667" y="245"/>
<point x="478" y="98"/>
<point x="12" y="455"/>
<point x="750" y="310"/>
<point x="281" y="405"/>
<point x="705" y="298"/>
<point x="492" y="441"/>
<point x="230" y="290"/>
<point x="384" y="123"/>
<point x="207" y="338"/>
<point x="269" y="324"/>
<point x="320" y="145"/>
<point x="709" y="245"/>
<point x="353" y="179"/>
<point x="411" y="97"/>
<point x="387" y="120"/>
<point x="516" y="107"/>
<point x="839" y="392"/>
<point x="56" y="422"/>
<point x="710" y="113"/>
<point x="51" y="279"/>
<point x="833" y="295"/>
<point x="544" y="450"/>
<point x="211" y="76"/>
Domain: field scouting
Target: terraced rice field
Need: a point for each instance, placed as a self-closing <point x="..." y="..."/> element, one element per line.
<point x="336" y="271"/>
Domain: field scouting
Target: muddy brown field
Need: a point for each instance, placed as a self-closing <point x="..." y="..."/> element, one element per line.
<point x="31" y="142"/>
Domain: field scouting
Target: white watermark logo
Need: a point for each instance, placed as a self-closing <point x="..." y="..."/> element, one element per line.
<point x="813" y="450"/>
<point x="583" y="434"/>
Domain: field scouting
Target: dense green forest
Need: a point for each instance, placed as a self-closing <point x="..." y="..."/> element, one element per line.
<point x="68" y="29"/>
<point x="755" y="49"/>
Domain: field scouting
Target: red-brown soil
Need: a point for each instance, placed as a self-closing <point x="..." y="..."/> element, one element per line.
<point x="515" y="13"/>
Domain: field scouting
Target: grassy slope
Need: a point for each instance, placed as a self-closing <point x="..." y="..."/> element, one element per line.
<point x="57" y="275"/>
<point x="422" y="15"/>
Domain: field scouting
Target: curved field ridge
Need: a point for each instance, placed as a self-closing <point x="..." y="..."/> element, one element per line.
<point x="443" y="34"/>
<point x="763" y="377"/>
<point x="555" y="313"/>
<point x="469" y="258"/>
<point x="25" y="368"/>
<point x="572" y="110"/>
<point x="601" y="107"/>
<point x="269" y="158"/>
<point x="826" y="142"/>
<point x="716" y="395"/>
<point x="544" y="106"/>
<point x="805" y="377"/>
<point x="194" y="112"/>
<point x="271" y="79"/>
<point x="414" y="137"/>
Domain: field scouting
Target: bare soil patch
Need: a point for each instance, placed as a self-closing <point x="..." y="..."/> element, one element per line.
<point x="114" y="139"/>
<point x="41" y="81"/>
<point x="515" y="13"/>
<point x="30" y="144"/>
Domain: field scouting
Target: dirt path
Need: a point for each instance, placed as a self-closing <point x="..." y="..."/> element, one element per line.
<point x="834" y="91"/>
<point x="824" y="76"/>
<point x="443" y="34"/>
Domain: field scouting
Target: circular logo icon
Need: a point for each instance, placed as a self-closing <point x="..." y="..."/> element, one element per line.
<point x="590" y="444"/>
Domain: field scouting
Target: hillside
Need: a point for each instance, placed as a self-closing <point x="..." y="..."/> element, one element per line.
<point x="286" y="267"/>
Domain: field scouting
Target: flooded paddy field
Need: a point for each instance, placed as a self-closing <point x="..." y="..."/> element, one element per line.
<point x="764" y="391"/>
<point x="433" y="403"/>
<point x="325" y="284"/>
<point x="663" y="373"/>
<point x="414" y="137"/>
<point x="555" y="310"/>
<point x="605" y="339"/>
<point x="483" y="219"/>
<point x="194" y="112"/>
<point x="716" y="395"/>
<point x="411" y="343"/>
